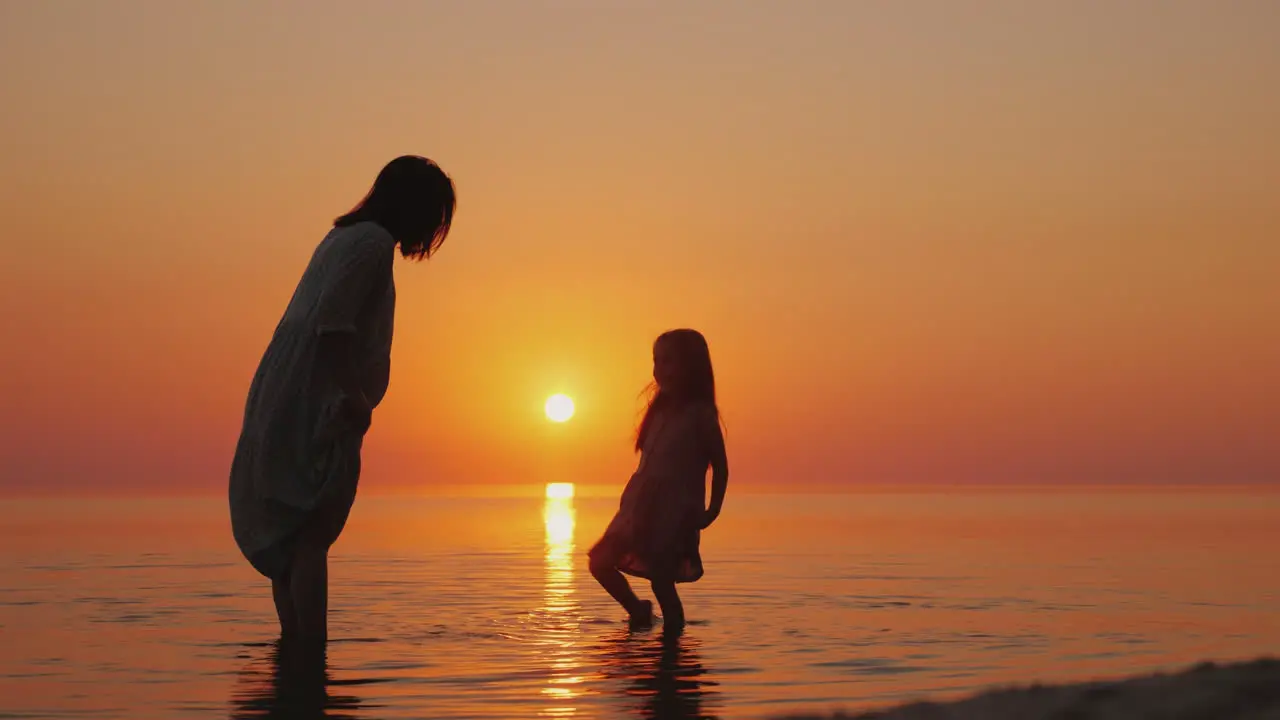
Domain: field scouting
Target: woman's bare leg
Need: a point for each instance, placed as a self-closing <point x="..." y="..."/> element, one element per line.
<point x="282" y="594"/>
<point x="309" y="590"/>
<point x="669" y="601"/>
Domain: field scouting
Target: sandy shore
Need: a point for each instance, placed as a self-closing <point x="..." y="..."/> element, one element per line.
<point x="1244" y="691"/>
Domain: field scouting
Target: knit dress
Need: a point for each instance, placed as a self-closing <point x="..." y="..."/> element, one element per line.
<point x="297" y="462"/>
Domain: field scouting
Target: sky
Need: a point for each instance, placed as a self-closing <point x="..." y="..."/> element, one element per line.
<point x="930" y="243"/>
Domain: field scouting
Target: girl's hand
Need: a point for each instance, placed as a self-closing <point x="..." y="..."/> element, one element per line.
<point x="708" y="517"/>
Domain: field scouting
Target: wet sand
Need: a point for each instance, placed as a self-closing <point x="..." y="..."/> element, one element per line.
<point x="1206" y="692"/>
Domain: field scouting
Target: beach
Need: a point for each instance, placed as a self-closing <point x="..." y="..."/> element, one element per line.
<point x="1240" y="691"/>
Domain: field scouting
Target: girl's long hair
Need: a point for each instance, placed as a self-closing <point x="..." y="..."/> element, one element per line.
<point x="697" y="379"/>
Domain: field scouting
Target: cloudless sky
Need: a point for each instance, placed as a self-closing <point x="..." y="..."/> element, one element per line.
<point x="929" y="242"/>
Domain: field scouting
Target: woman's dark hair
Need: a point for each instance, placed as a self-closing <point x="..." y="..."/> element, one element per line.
<point x="697" y="380"/>
<point x="413" y="199"/>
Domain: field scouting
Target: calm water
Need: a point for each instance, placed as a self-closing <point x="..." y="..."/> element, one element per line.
<point x="482" y="608"/>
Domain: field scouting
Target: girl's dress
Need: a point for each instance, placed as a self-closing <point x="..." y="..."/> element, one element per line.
<point x="297" y="462"/>
<point x="656" y="531"/>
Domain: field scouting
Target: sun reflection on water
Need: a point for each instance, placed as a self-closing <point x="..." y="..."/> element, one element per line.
<point x="560" y="616"/>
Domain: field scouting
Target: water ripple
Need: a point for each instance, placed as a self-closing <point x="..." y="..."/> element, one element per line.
<point x="518" y="628"/>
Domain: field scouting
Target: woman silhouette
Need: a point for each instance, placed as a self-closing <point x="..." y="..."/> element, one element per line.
<point x="293" y="479"/>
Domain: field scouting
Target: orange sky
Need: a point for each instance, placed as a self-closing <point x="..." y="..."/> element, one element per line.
<point x="989" y="244"/>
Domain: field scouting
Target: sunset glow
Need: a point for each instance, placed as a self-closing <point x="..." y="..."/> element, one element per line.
<point x="913" y="264"/>
<point x="921" y="348"/>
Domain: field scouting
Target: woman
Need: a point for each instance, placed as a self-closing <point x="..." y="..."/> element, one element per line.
<point x="297" y="463"/>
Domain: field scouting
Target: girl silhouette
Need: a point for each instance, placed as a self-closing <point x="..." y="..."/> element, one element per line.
<point x="655" y="533"/>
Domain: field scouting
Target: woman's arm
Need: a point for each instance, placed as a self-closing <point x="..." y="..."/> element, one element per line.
<point x="336" y="355"/>
<point x="719" y="461"/>
<point x="364" y="272"/>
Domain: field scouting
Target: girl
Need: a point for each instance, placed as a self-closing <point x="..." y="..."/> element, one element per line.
<point x="655" y="533"/>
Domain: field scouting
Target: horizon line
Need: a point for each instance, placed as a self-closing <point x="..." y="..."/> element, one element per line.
<point x="598" y="491"/>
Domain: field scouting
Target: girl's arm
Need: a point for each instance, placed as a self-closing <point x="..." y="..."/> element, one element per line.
<point x="719" y="461"/>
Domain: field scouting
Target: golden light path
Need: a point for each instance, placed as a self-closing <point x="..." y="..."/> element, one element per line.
<point x="560" y="491"/>
<point x="560" y="609"/>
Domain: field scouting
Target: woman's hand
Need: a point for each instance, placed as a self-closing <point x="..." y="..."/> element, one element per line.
<point x="352" y="414"/>
<point x="357" y="410"/>
<point x="336" y="355"/>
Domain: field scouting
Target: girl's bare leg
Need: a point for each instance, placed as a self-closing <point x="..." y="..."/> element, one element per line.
<point x="669" y="601"/>
<point x="617" y="586"/>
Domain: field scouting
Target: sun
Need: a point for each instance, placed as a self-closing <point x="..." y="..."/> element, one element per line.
<point x="559" y="408"/>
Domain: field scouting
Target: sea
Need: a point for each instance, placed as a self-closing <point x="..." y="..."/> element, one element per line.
<point x="482" y="607"/>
